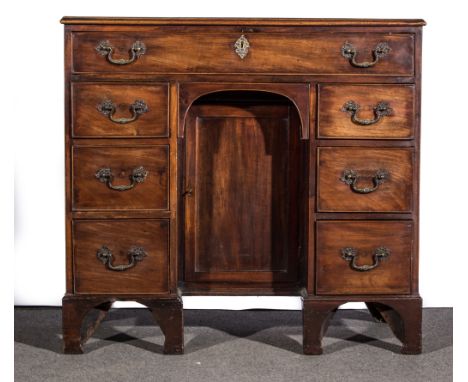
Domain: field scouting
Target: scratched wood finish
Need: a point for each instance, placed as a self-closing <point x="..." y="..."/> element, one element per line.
<point x="148" y="276"/>
<point x="333" y="122"/>
<point x="283" y="53"/>
<point x="393" y="195"/>
<point x="391" y="276"/>
<point x="240" y="218"/>
<point x="88" y="121"/>
<point x="91" y="194"/>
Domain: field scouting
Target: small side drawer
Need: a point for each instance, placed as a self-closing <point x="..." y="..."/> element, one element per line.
<point x="121" y="256"/>
<point x="358" y="179"/>
<point x="119" y="110"/>
<point x="365" y="257"/>
<point x="366" y="111"/>
<point x="120" y="178"/>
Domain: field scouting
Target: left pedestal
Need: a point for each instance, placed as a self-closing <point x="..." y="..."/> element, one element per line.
<point x="168" y="313"/>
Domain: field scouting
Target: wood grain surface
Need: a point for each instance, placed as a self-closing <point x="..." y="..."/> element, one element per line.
<point x="89" y="122"/>
<point x="391" y="276"/>
<point x="91" y="194"/>
<point x="282" y="53"/>
<point x="395" y="194"/>
<point x="241" y="163"/>
<point x="333" y="122"/>
<point x="148" y="276"/>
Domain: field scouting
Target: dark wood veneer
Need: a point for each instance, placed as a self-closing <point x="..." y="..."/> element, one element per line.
<point x="244" y="158"/>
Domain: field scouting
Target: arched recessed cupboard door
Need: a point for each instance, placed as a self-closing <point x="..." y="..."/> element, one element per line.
<point x="243" y="163"/>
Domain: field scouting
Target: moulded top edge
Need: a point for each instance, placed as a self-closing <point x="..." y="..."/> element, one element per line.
<point x="76" y="20"/>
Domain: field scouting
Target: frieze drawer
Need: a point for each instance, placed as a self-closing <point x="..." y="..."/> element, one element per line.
<point x="244" y="52"/>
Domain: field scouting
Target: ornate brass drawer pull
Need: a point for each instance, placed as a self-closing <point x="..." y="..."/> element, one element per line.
<point x="350" y="254"/>
<point x="135" y="254"/>
<point x="382" y="109"/>
<point x="242" y="46"/>
<point x="105" y="48"/>
<point x="351" y="177"/>
<point x="107" y="107"/>
<point x="105" y="175"/>
<point x="350" y="52"/>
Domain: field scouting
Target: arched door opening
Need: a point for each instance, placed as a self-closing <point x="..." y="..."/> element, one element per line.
<point x="244" y="207"/>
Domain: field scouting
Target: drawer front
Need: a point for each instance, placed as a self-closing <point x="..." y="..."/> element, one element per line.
<point x="120" y="178"/>
<point x="364" y="257"/>
<point x="114" y="110"/>
<point x="366" y="111"/>
<point x="365" y="180"/>
<point x="215" y="52"/>
<point x="121" y="256"/>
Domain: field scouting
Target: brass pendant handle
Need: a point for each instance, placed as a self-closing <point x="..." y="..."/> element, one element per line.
<point x="105" y="48"/>
<point x="351" y="177"/>
<point x="350" y="254"/>
<point x="382" y="109"/>
<point x="349" y="52"/>
<point x="135" y="254"/>
<point x="108" y="108"/>
<point x="105" y="175"/>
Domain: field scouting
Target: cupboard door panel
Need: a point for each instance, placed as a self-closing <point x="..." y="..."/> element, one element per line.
<point x="241" y="197"/>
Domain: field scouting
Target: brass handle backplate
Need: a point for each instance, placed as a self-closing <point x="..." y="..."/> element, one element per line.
<point x="380" y="110"/>
<point x="105" y="48"/>
<point x="108" y="108"/>
<point x="105" y="175"/>
<point x="349" y="52"/>
<point x="350" y="254"/>
<point x="135" y="254"/>
<point x="351" y="177"/>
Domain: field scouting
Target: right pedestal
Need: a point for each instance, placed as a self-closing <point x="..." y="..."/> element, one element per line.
<point x="402" y="314"/>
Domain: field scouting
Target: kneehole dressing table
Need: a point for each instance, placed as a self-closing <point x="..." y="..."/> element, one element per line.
<point x="242" y="157"/>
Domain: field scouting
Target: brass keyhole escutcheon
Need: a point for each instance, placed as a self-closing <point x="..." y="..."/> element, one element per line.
<point x="242" y="46"/>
